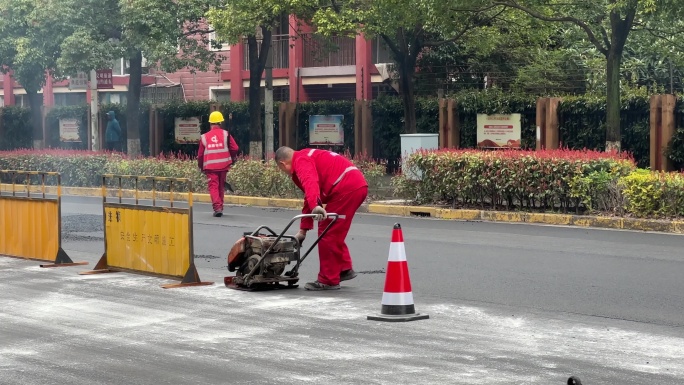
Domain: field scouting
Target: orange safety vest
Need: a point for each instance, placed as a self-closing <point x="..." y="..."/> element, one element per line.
<point x="216" y="153"/>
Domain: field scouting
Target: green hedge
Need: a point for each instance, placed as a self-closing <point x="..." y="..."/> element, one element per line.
<point x="80" y="112"/>
<point x="675" y="149"/>
<point x="545" y="180"/>
<point x="582" y="122"/>
<point x="17" y="131"/>
<point x="248" y="176"/>
<point x="558" y="180"/>
<point x="71" y="112"/>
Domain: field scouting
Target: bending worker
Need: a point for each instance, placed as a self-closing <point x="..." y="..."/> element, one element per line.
<point x="217" y="150"/>
<point x="331" y="179"/>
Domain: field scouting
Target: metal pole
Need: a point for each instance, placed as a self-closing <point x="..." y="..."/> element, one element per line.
<point x="94" y="124"/>
<point x="268" y="104"/>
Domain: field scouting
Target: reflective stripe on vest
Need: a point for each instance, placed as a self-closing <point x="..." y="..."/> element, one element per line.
<point x="346" y="170"/>
<point x="214" y="154"/>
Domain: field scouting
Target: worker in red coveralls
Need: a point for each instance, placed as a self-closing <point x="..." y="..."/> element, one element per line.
<point x="217" y="150"/>
<point x="326" y="178"/>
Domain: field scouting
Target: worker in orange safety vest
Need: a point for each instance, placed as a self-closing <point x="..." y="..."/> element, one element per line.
<point x="217" y="151"/>
<point x="329" y="179"/>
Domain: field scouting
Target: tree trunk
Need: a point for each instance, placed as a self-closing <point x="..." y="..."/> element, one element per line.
<point x="36" y="103"/>
<point x="613" y="102"/>
<point x="133" y="106"/>
<point x="405" y="53"/>
<point x="408" y="98"/>
<point x="618" y="39"/>
<point x="257" y="63"/>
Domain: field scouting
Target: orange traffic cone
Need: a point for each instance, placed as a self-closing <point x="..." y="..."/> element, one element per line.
<point x="397" y="298"/>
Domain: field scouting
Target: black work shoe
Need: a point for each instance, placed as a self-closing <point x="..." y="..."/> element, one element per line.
<point x="228" y="187"/>
<point x="347" y="275"/>
<point x="218" y="214"/>
<point x="320" y="286"/>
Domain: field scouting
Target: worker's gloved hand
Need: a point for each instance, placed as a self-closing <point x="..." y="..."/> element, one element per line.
<point x="320" y="213"/>
<point x="300" y="236"/>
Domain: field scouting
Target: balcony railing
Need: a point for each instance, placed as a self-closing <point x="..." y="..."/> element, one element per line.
<point x="326" y="52"/>
<point x="320" y="51"/>
<point x="280" y="47"/>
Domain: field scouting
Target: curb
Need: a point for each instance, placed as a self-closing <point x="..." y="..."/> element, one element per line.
<point x="147" y="195"/>
<point x="674" y="227"/>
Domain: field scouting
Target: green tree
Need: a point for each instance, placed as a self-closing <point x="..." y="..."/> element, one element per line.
<point x="170" y="34"/>
<point x="607" y="25"/>
<point x="254" y="21"/>
<point x="514" y="53"/>
<point x="30" y="36"/>
<point x="407" y="29"/>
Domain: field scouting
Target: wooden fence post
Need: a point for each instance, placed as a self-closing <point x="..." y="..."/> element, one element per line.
<point x="292" y="125"/>
<point x="655" y="137"/>
<point x="151" y="126"/>
<point x="367" y="128"/>
<point x="443" y="127"/>
<point x="287" y="124"/>
<point x="668" y="128"/>
<point x="541" y="123"/>
<point x="282" y="133"/>
<point x="358" y="127"/>
<point x="552" y="128"/>
<point x="453" y="138"/>
<point x="89" y="131"/>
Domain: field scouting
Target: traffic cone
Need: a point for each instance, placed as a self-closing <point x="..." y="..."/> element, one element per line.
<point x="397" y="298"/>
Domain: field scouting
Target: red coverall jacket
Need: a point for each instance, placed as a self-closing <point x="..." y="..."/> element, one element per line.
<point x="216" y="150"/>
<point x="320" y="174"/>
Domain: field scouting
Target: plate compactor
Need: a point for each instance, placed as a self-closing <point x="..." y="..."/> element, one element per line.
<point x="259" y="258"/>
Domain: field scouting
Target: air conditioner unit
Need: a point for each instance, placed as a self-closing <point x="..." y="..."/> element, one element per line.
<point x="388" y="74"/>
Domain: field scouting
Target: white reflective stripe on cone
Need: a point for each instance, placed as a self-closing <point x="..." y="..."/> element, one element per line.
<point x="397" y="298"/>
<point x="397" y="252"/>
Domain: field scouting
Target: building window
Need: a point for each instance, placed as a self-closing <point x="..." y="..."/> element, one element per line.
<point x="21" y="100"/>
<point x="212" y="40"/>
<point x="2" y="101"/>
<point x="121" y="67"/>
<point x="220" y="95"/>
<point x="112" y="97"/>
<point x="70" y="99"/>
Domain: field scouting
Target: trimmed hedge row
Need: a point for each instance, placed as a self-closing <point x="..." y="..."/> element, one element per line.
<point x="556" y="180"/>
<point x="582" y="122"/>
<point x="248" y="176"/>
<point x="560" y="180"/>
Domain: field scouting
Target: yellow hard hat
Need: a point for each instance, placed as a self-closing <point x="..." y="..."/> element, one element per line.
<point x="216" y="117"/>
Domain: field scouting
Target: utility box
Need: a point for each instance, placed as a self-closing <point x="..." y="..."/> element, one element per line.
<point x="411" y="143"/>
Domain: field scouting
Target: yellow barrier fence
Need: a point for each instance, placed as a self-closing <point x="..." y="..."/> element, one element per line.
<point x="150" y="239"/>
<point x="30" y="221"/>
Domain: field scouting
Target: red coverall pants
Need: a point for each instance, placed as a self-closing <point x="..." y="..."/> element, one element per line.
<point x="216" y="188"/>
<point x="333" y="253"/>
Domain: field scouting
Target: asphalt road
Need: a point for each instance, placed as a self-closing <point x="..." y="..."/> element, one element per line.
<point x="520" y="304"/>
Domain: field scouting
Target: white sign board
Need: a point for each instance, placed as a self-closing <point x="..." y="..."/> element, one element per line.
<point x="188" y="130"/>
<point x="326" y="130"/>
<point x="498" y="131"/>
<point x="69" y="131"/>
<point x="79" y="81"/>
